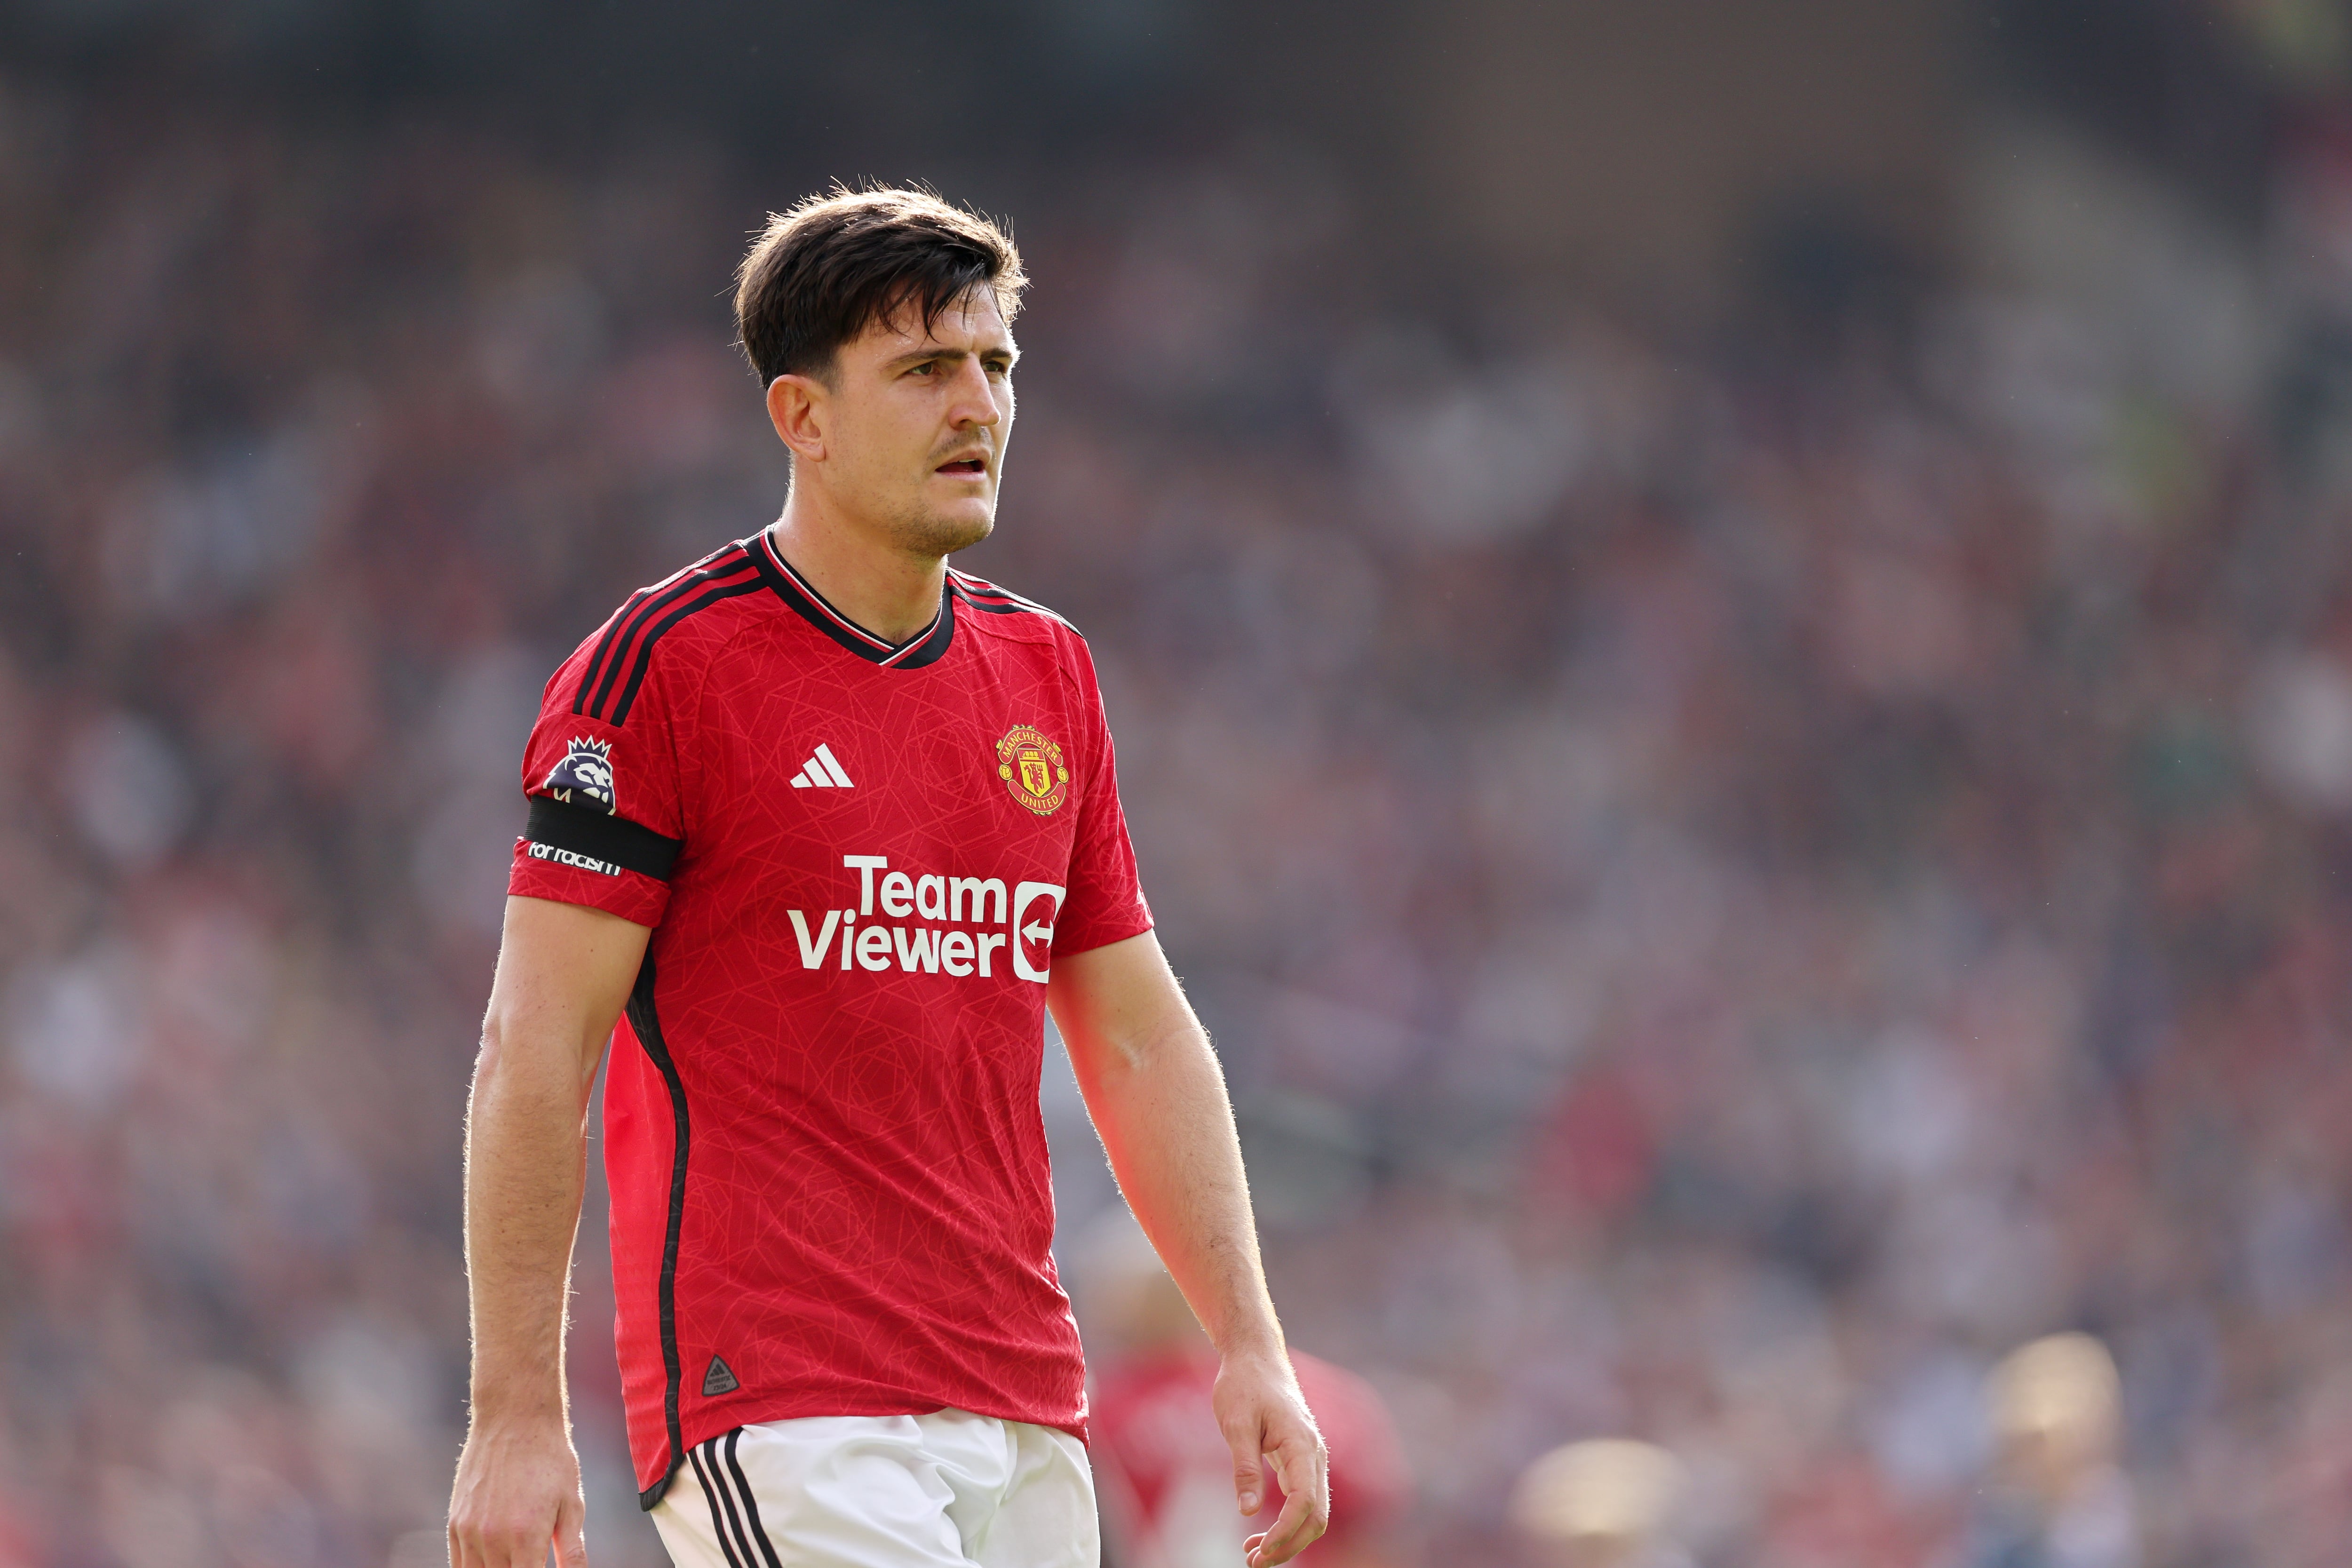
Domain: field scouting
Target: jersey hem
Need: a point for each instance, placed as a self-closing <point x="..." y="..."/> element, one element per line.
<point x="719" y="1421"/>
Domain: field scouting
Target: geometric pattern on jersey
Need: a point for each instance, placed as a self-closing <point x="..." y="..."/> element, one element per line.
<point x="830" y="1188"/>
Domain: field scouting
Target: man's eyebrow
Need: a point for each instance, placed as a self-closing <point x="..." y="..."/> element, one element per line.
<point x="936" y="350"/>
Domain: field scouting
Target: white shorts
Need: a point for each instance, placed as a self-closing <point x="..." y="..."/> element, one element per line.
<point x="950" y="1490"/>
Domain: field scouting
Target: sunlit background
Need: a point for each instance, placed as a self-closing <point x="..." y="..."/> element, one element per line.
<point x="1730" y="626"/>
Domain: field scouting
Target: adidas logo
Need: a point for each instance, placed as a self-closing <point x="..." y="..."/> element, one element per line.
<point x="823" y="771"/>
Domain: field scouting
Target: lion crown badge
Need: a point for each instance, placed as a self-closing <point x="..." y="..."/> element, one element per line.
<point x="586" y="770"/>
<point x="1033" y="769"/>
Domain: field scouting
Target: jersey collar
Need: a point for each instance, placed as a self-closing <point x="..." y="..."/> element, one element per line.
<point x="924" y="647"/>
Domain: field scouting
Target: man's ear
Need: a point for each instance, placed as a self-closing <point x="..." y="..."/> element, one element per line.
<point x="798" y="406"/>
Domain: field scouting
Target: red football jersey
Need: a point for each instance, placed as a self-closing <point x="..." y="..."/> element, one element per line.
<point x="830" y="1187"/>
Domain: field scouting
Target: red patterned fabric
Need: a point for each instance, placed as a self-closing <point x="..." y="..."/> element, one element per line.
<point x="842" y="1001"/>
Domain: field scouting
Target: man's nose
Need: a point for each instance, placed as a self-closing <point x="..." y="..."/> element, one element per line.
<point x="975" y="401"/>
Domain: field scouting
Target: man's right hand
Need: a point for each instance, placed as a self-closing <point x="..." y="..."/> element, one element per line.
<point x="563" y="972"/>
<point x="517" y="1492"/>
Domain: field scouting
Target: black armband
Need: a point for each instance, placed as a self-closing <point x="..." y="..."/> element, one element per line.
<point x="601" y="838"/>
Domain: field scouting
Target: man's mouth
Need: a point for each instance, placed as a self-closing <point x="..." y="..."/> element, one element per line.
<point x="965" y="467"/>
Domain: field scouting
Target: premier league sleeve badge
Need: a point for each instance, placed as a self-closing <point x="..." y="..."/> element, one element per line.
<point x="585" y="776"/>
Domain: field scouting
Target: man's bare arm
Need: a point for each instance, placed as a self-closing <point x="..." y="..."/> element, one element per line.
<point x="1157" y="1098"/>
<point x="563" y="973"/>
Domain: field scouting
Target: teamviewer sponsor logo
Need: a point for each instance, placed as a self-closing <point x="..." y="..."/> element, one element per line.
<point x="958" y="940"/>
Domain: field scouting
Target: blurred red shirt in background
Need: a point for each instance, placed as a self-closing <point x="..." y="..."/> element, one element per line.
<point x="1166" y="1476"/>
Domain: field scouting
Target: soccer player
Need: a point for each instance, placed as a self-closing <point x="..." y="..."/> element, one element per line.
<point x="818" y="828"/>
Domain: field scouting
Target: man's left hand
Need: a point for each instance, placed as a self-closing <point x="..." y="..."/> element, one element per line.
<point x="1265" y="1417"/>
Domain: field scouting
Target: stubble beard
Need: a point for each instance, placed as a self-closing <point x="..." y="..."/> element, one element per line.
<point x="921" y="532"/>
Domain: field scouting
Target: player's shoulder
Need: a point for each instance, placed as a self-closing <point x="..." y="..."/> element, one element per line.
<point x="683" y="618"/>
<point x="1002" y="613"/>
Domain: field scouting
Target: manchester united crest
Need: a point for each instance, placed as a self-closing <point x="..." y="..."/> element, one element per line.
<point x="1033" y="769"/>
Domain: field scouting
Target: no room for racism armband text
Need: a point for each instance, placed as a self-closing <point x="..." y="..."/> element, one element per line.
<point x="581" y="836"/>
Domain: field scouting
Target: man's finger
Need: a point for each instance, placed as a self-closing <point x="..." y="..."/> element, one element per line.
<point x="525" y="1550"/>
<point x="1291" y="1532"/>
<point x="1249" y="1475"/>
<point x="1305" y="1505"/>
<point x="475" y="1545"/>
<point x="572" y="1533"/>
<point x="491" y="1552"/>
<point x="1316" y="1465"/>
<point x="467" y="1547"/>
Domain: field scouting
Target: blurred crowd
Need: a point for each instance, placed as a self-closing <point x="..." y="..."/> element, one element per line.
<point x="1739" y="876"/>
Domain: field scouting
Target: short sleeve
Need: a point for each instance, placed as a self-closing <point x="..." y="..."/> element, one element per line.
<point x="1104" y="903"/>
<point x="606" y="824"/>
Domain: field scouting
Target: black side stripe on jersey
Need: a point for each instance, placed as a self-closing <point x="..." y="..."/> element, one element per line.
<point x="924" y="647"/>
<point x="750" y="1501"/>
<point x="645" y="1023"/>
<point x="627" y="632"/>
<point x="618" y="629"/>
<point x="585" y="830"/>
<point x="644" y="659"/>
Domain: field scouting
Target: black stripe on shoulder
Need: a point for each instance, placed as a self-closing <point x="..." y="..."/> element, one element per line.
<point x="990" y="600"/>
<point x="606" y="839"/>
<point x="613" y="649"/>
<point x="614" y="628"/>
<point x="646" y="624"/>
<point x="645" y="658"/>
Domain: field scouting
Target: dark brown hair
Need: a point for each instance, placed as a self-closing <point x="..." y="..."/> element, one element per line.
<point x="836" y="264"/>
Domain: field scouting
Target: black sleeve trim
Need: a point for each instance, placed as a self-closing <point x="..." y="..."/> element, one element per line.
<point x="560" y="825"/>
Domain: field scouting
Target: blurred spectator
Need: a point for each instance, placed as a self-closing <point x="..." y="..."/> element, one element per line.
<point x="1601" y="1503"/>
<point x="2063" y="1502"/>
<point x="1165" y="1471"/>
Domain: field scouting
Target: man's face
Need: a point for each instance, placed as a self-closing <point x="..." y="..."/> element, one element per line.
<point x="916" y="426"/>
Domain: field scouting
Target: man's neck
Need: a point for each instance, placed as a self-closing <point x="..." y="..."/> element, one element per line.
<point x="890" y="594"/>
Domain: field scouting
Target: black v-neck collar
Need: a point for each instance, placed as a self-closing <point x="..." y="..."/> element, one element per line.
<point x="924" y="647"/>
